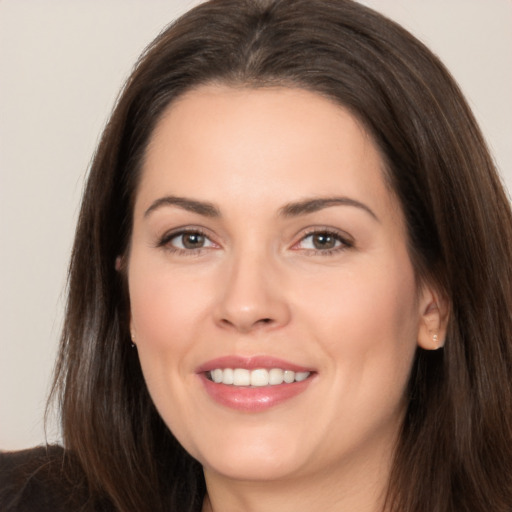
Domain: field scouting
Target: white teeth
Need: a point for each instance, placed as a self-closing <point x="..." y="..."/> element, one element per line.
<point x="275" y="376"/>
<point x="241" y="377"/>
<point x="289" y="376"/>
<point x="217" y="376"/>
<point x="227" y="376"/>
<point x="300" y="376"/>
<point x="257" y="378"/>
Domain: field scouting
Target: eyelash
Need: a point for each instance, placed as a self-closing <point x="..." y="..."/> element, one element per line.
<point x="165" y="242"/>
<point x="344" y="242"/>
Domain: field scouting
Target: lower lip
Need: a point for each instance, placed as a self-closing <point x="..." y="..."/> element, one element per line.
<point x="253" y="399"/>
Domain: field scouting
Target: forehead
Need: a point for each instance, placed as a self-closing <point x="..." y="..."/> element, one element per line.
<point x="254" y="112"/>
<point x="243" y="140"/>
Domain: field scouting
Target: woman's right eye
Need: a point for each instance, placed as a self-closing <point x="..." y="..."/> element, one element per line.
<point x="187" y="241"/>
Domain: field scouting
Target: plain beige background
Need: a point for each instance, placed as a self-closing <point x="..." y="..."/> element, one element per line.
<point x="61" y="66"/>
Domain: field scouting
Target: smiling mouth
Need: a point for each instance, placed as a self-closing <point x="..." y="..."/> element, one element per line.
<point x="259" y="377"/>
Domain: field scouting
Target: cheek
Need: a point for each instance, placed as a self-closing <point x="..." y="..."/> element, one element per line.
<point x="368" y="321"/>
<point x="367" y="325"/>
<point x="165" y="306"/>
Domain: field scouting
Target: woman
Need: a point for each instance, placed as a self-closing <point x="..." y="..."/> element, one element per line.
<point x="291" y="281"/>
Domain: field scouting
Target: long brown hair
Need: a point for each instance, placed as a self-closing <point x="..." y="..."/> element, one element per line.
<point x="455" y="449"/>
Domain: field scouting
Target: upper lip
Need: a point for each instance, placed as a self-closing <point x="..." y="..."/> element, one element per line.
<point x="251" y="363"/>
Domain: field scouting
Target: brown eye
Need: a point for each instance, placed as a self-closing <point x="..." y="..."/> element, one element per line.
<point x="188" y="241"/>
<point x="324" y="241"/>
<point x="193" y="240"/>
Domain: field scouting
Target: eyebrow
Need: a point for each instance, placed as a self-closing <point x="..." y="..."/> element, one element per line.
<point x="191" y="205"/>
<point x="294" y="209"/>
<point x="315" y="204"/>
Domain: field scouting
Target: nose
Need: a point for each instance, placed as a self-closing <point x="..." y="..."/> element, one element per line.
<point x="252" y="295"/>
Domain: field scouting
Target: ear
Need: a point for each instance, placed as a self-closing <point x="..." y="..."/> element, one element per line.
<point x="434" y="310"/>
<point x="132" y="332"/>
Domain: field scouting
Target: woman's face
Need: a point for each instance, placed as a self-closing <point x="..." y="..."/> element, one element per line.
<point x="269" y="255"/>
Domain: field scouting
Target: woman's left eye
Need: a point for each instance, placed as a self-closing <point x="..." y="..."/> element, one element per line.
<point x="323" y="241"/>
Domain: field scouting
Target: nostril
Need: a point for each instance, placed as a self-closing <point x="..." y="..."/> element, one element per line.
<point x="249" y="326"/>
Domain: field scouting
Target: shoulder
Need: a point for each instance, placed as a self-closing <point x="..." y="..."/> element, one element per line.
<point x="45" y="478"/>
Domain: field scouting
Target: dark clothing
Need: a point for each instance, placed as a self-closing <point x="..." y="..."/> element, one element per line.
<point x="43" y="479"/>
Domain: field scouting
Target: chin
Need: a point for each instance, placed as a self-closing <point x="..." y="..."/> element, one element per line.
<point x="261" y="459"/>
<point x="253" y="469"/>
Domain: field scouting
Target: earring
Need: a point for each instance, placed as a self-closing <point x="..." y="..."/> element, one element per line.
<point x="133" y="339"/>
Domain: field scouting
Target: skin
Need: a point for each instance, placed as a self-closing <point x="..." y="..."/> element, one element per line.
<point x="261" y="284"/>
